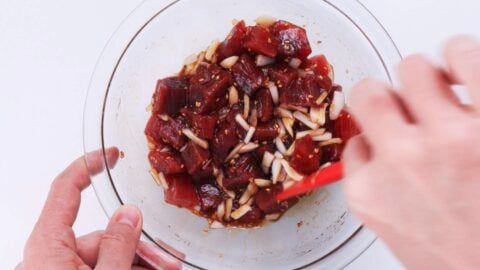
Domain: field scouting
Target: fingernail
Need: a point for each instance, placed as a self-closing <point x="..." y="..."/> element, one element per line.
<point x="128" y="215"/>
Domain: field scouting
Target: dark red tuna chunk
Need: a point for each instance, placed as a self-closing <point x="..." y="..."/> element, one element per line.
<point x="345" y="126"/>
<point x="259" y="40"/>
<point x="225" y="139"/>
<point x="260" y="151"/>
<point x="282" y="74"/>
<point x="332" y="153"/>
<point x="302" y="92"/>
<point x="204" y="174"/>
<point x="194" y="157"/>
<point x="247" y="76"/>
<point x="267" y="201"/>
<point x="233" y="44"/>
<point x="246" y="165"/>
<point x="166" y="162"/>
<point x="208" y="88"/>
<point x="306" y="156"/>
<point x="152" y="128"/>
<point x="170" y="132"/>
<point x="210" y="197"/>
<point x="181" y="191"/>
<point x="170" y="95"/>
<point x="292" y="40"/>
<point x="203" y="125"/>
<point x="236" y="182"/>
<point x="320" y="66"/>
<point x="266" y="131"/>
<point x="264" y="105"/>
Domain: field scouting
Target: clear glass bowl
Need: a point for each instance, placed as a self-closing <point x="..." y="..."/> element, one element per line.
<point x="153" y="42"/>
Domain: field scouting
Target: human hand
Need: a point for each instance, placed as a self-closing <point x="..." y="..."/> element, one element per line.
<point x="413" y="176"/>
<point x="52" y="244"/>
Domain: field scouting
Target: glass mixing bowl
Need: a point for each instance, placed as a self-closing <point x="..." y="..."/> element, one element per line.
<point x="319" y="232"/>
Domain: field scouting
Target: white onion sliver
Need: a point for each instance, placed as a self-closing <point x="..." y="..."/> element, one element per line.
<point x="295" y="63"/>
<point x="290" y="150"/>
<point x="276" y="167"/>
<point x="263" y="60"/>
<point x="290" y="171"/>
<point x="321" y="98"/>
<point x="265" y="21"/>
<point x="228" y="208"/>
<point x="288" y="123"/>
<point x="278" y="155"/>
<point x="281" y="128"/>
<point x="284" y="113"/>
<point x="337" y="105"/>
<point x="272" y="217"/>
<point x="331" y="141"/>
<point x="305" y="120"/>
<point x="331" y="73"/>
<point x="267" y="161"/>
<point x="211" y="50"/>
<point x="249" y="136"/>
<point x="234" y="152"/>
<point x="216" y="225"/>
<point x="312" y="133"/>
<point x="221" y="211"/>
<point x="200" y="142"/>
<point x="190" y="59"/>
<point x="246" y="106"/>
<point x="232" y="95"/>
<point x="245" y="197"/>
<point x="280" y="146"/>
<point x="325" y="137"/>
<point x="295" y="108"/>
<point x="241" y="211"/>
<point x="288" y="184"/>
<point x="163" y="181"/>
<point x="229" y="62"/>
<point x="242" y="122"/>
<point x="274" y="92"/>
<point x="248" y="148"/>
<point x="262" y="182"/>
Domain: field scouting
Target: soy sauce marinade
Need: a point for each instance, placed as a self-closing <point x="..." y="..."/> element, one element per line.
<point x="244" y="120"/>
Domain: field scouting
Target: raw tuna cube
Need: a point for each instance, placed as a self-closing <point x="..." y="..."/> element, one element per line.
<point x="225" y="139"/>
<point x="204" y="174"/>
<point x="302" y="92"/>
<point x="321" y="67"/>
<point x="345" y="126"/>
<point x="282" y="75"/>
<point x="266" y="201"/>
<point x="203" y="125"/>
<point x="264" y="148"/>
<point x="210" y="197"/>
<point x="266" y="132"/>
<point x="306" y="156"/>
<point x="170" y="132"/>
<point x="170" y="95"/>
<point x="236" y="182"/>
<point x="264" y="105"/>
<point x="152" y="128"/>
<point x="246" y="165"/>
<point x="292" y="40"/>
<point x="166" y="162"/>
<point x="332" y="153"/>
<point x="208" y="88"/>
<point x="181" y="191"/>
<point x="194" y="157"/>
<point x="232" y="45"/>
<point x="260" y="40"/>
<point x="247" y="76"/>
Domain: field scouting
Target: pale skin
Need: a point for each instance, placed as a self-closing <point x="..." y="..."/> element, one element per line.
<point x="412" y="177"/>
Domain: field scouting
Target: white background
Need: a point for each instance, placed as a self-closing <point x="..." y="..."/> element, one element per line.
<point x="48" y="49"/>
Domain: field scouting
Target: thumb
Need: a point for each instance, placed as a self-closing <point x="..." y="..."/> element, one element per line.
<point x="119" y="242"/>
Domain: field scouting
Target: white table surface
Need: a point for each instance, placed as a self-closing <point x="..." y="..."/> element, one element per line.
<point x="48" y="49"/>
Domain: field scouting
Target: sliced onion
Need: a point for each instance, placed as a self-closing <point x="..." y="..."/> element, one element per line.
<point x="321" y="98"/>
<point x="190" y="59"/>
<point x="278" y="155"/>
<point x="211" y="50"/>
<point x="159" y="178"/>
<point x="262" y="182"/>
<point x="295" y="63"/>
<point x="249" y="136"/>
<point x="200" y="142"/>
<point x="265" y="21"/>
<point x="284" y="113"/>
<point x="252" y="188"/>
<point x="288" y="123"/>
<point x="325" y="137"/>
<point x="228" y="208"/>
<point x="313" y="133"/>
<point x="281" y="129"/>
<point x="288" y="184"/>
<point x="164" y="117"/>
<point x="242" y="122"/>
<point x="274" y="92"/>
<point x="229" y="62"/>
<point x="221" y="211"/>
<point x="331" y="73"/>
<point x="290" y="171"/>
<point x="249" y="147"/>
<point x="234" y="152"/>
<point x="253" y="119"/>
<point x="337" y="105"/>
<point x="331" y="141"/>
<point x="267" y="161"/>
<point x="241" y="211"/>
<point x="219" y="179"/>
<point x="232" y="95"/>
<point x="294" y="108"/>
<point x="305" y="120"/>
<point x="280" y="146"/>
<point x="262" y="60"/>
<point x="216" y="225"/>
<point x="272" y="217"/>
<point x="246" y="106"/>
<point x="318" y="115"/>
<point x="326" y="165"/>
<point x="245" y="197"/>
<point x="290" y="150"/>
<point x="276" y="167"/>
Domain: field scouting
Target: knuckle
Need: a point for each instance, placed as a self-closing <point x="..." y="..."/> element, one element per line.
<point x="121" y="234"/>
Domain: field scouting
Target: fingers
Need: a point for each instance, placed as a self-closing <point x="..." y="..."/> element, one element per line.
<point x="119" y="242"/>
<point x="158" y="258"/>
<point x="463" y="59"/>
<point x="376" y="109"/>
<point x="426" y="92"/>
<point x="356" y="154"/>
<point x="63" y="201"/>
<point x="87" y="247"/>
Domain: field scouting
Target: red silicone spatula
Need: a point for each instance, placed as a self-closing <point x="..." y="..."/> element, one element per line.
<point x="323" y="177"/>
